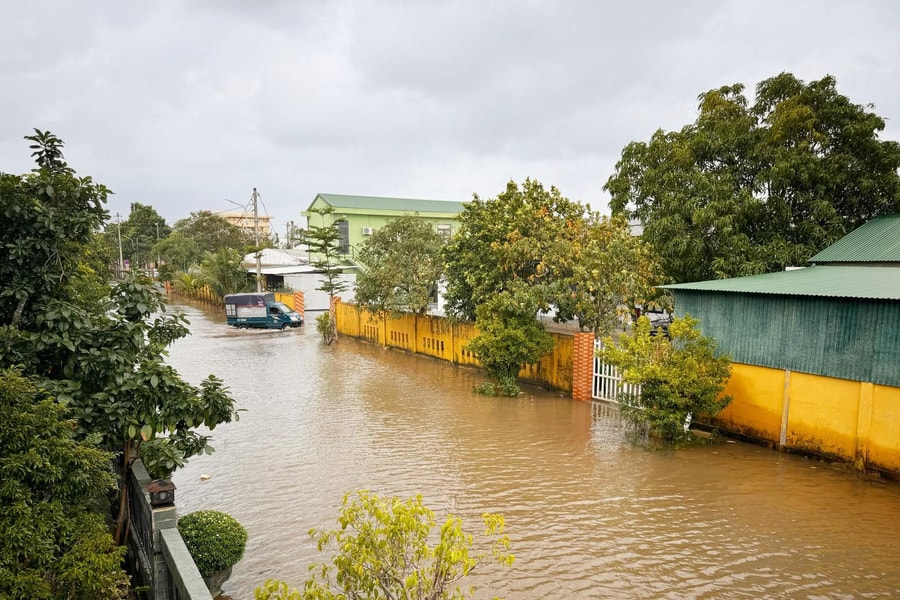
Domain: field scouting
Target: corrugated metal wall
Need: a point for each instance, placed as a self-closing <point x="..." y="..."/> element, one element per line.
<point x="845" y="338"/>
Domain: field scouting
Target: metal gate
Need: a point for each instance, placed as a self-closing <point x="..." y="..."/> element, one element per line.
<point x="608" y="384"/>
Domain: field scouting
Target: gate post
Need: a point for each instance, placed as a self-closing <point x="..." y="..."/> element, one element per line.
<point x="299" y="304"/>
<point x="582" y="365"/>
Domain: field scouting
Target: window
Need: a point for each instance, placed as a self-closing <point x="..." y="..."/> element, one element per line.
<point x="444" y="229"/>
<point x="344" y="230"/>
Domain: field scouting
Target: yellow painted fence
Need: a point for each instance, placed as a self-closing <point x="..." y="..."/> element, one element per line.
<point x="836" y="418"/>
<point x="445" y="339"/>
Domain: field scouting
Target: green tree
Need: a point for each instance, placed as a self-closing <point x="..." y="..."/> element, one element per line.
<point x="324" y="242"/>
<point x="102" y="356"/>
<point x="211" y="233"/>
<point x="178" y="253"/>
<point x="523" y="234"/>
<point x="48" y="216"/>
<point x="54" y="545"/>
<point x="751" y="189"/>
<point x="402" y="265"/>
<point x="509" y="336"/>
<point x="611" y="272"/>
<point x="223" y="272"/>
<point x="679" y="376"/>
<point x="383" y="550"/>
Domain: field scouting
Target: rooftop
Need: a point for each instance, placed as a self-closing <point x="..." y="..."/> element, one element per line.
<point x="396" y="204"/>
<point x="876" y="241"/>
<point x="874" y="283"/>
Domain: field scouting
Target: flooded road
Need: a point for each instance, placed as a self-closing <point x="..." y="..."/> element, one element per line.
<point x="589" y="515"/>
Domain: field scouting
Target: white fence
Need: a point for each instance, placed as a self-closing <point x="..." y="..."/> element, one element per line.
<point x="608" y="384"/>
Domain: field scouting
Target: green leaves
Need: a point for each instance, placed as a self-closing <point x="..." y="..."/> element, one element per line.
<point x="752" y="189"/>
<point x="382" y="550"/>
<point x="403" y="264"/>
<point x="678" y="375"/>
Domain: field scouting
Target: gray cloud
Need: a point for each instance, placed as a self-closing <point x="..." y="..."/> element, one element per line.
<point x="184" y="105"/>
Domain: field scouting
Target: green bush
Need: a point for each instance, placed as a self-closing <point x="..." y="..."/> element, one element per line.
<point x="215" y="539"/>
<point x="681" y="376"/>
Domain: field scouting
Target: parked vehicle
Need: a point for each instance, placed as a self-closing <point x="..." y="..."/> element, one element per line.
<point x="259" y="309"/>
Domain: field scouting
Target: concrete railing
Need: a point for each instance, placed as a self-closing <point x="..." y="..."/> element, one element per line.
<point x="159" y="559"/>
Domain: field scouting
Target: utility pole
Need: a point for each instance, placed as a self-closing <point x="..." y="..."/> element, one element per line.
<point x="256" y="237"/>
<point x="289" y="226"/>
<point x="119" y="230"/>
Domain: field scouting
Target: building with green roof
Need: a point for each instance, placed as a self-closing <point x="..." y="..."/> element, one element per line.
<point x="816" y="351"/>
<point x="360" y="216"/>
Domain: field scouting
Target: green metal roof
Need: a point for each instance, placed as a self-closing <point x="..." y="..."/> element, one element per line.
<point x="395" y="204"/>
<point x="876" y="241"/>
<point x="827" y="281"/>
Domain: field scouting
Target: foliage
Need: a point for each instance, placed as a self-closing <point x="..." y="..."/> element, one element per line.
<point x="752" y="189"/>
<point x="403" y="264"/>
<point x="679" y="375"/>
<point x="105" y="359"/>
<point x="509" y="336"/>
<point x="53" y="545"/>
<point x="522" y="235"/>
<point x="216" y="540"/>
<point x="139" y="234"/>
<point x="611" y="271"/>
<point x="223" y="272"/>
<point x="382" y="551"/>
<point x="179" y="252"/>
<point x="324" y="242"/>
<point x="47" y="216"/>
<point x="326" y="327"/>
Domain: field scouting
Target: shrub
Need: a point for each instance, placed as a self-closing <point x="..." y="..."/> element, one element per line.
<point x="215" y="540"/>
<point x="680" y="378"/>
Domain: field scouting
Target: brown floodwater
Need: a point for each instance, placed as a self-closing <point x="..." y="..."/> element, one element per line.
<point x="590" y="514"/>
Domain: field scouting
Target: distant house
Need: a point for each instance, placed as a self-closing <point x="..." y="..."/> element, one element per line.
<point x="249" y="224"/>
<point x="816" y="351"/>
<point x="361" y="216"/>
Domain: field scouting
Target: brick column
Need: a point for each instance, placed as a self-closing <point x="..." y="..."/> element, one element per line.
<point x="299" y="305"/>
<point x="582" y="365"/>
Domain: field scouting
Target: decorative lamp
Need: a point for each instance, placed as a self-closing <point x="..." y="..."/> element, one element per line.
<point x="162" y="491"/>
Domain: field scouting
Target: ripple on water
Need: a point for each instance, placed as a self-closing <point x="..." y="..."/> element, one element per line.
<point x="590" y="516"/>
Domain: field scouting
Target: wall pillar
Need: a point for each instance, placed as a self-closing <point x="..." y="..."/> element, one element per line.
<point x="582" y="365"/>
<point x="299" y="304"/>
<point x="863" y="425"/>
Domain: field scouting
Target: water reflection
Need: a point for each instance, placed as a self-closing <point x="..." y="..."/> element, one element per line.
<point x="590" y="515"/>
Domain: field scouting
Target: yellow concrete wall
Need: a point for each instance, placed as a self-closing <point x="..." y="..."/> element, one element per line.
<point x="822" y="415"/>
<point x="758" y="399"/>
<point x="883" y="448"/>
<point x="442" y="338"/>
<point x="285" y="298"/>
<point x="849" y="420"/>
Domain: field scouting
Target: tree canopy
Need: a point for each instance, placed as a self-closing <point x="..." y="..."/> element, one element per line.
<point x="385" y="549"/>
<point x="521" y="235"/>
<point x="402" y="265"/>
<point x="99" y="355"/>
<point x="748" y="189"/>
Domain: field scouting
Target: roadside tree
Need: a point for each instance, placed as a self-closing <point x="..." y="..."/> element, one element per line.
<point x="403" y="264"/>
<point x="524" y="234"/>
<point x="223" y="272"/>
<point x="611" y="271"/>
<point x="748" y="189"/>
<point x="325" y="245"/>
<point x="680" y="376"/>
<point x="384" y="550"/>
<point x="509" y="336"/>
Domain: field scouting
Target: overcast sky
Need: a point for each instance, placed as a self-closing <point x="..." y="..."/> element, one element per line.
<point x="187" y="105"/>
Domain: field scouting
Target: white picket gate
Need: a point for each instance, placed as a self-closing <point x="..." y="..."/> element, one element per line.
<point x="608" y="384"/>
